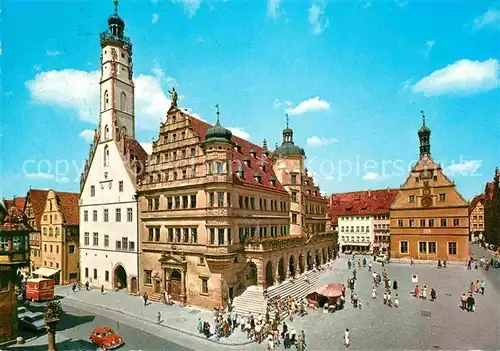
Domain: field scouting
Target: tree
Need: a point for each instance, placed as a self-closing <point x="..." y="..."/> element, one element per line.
<point x="52" y="314"/>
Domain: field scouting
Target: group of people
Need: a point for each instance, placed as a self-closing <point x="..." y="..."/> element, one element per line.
<point x="422" y="292"/>
<point x="259" y="329"/>
<point x="468" y="303"/>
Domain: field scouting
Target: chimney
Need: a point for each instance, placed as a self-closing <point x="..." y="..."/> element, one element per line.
<point x="369" y="193"/>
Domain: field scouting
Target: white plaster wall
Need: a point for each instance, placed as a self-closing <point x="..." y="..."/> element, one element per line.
<point x="351" y="221"/>
<point x="107" y="195"/>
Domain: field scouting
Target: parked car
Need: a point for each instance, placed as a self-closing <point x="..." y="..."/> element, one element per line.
<point x="106" y="338"/>
<point x="34" y="321"/>
<point x="21" y="311"/>
<point x="381" y="258"/>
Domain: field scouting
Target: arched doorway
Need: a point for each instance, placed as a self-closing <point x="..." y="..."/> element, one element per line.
<point x="269" y="274"/>
<point x="174" y="285"/>
<point x="309" y="261"/>
<point x="251" y="274"/>
<point x="324" y="256"/>
<point x="291" y="266"/>
<point x="281" y="270"/>
<point x="329" y="250"/>
<point x="120" y="277"/>
<point x="301" y="263"/>
<point x="318" y="258"/>
<point x="133" y="285"/>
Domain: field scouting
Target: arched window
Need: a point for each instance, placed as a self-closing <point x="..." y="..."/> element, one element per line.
<point x="44" y="231"/>
<point x="106" y="156"/>
<point x="50" y="231"/>
<point x="106" y="132"/>
<point x="210" y="168"/>
<point x="57" y="231"/>
<point x="106" y="100"/>
<point x="219" y="168"/>
<point x="123" y="102"/>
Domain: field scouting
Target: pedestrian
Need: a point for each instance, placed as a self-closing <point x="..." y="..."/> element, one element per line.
<point x="385" y="298"/>
<point x="470" y="303"/>
<point x="396" y="301"/>
<point x="303" y="334"/>
<point x="374" y="293"/>
<point x="235" y="322"/>
<point x="102" y="289"/>
<point x="439" y="264"/>
<point x="433" y="294"/>
<point x="87" y="285"/>
<point x="411" y="261"/>
<point x="389" y="299"/>
<point x="286" y="341"/>
<point x="369" y="267"/>
<point x="463" y="300"/>
<point x="346" y="338"/>
<point x="73" y="287"/>
<point x="200" y="325"/>
<point x="354" y="273"/>
<point x="424" y="292"/>
<point x="270" y="342"/>
<point x="394" y="285"/>
<point x="471" y="287"/>
<point x="417" y="291"/>
<point x="483" y="286"/>
<point x="158" y="317"/>
<point x="364" y="264"/>
<point x="478" y="286"/>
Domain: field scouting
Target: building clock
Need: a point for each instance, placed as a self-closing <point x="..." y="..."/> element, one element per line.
<point x="426" y="202"/>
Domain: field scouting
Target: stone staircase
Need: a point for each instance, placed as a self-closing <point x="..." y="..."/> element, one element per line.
<point x="253" y="301"/>
<point x="156" y="297"/>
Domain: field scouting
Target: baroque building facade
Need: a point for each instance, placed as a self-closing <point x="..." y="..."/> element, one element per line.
<point x="109" y="240"/>
<point x="492" y="210"/>
<point x="60" y="238"/>
<point x="429" y="218"/>
<point x="219" y="213"/>
<point x="476" y="218"/>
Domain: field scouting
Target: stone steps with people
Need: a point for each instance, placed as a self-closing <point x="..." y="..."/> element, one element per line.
<point x="155" y="297"/>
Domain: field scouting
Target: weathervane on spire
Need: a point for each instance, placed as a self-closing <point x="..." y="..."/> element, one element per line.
<point x="423" y="116"/>
<point x="218" y="113"/>
<point x="116" y="6"/>
<point x="286" y="115"/>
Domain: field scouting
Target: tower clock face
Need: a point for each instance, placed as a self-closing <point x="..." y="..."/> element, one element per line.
<point x="427" y="191"/>
<point x="426" y="202"/>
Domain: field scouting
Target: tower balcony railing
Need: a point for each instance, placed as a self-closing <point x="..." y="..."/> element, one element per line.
<point x="107" y="35"/>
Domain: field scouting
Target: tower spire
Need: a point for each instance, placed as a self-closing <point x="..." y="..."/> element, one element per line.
<point x="423" y="117"/>
<point x="286" y="116"/>
<point x="424" y="134"/>
<point x="218" y="113"/>
<point x="116" y="6"/>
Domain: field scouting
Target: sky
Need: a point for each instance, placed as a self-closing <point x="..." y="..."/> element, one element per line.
<point x="353" y="76"/>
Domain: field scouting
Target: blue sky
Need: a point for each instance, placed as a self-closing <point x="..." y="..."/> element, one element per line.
<point x="352" y="75"/>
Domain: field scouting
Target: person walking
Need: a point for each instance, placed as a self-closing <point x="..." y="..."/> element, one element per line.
<point x="200" y="325"/>
<point x="102" y="289"/>
<point x="364" y="261"/>
<point x="477" y="286"/>
<point x="158" y="317"/>
<point x="483" y="286"/>
<point x="463" y="300"/>
<point x="385" y="298"/>
<point x="433" y="294"/>
<point x="145" y="297"/>
<point x="470" y="303"/>
<point x="303" y="334"/>
<point x="394" y="285"/>
<point x="369" y="267"/>
<point x="346" y="338"/>
<point x="396" y="301"/>
<point x="374" y="293"/>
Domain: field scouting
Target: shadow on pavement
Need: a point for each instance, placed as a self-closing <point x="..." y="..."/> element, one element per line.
<point x="69" y="344"/>
<point x="69" y="321"/>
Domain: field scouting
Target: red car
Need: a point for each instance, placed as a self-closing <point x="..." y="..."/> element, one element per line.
<point x="106" y="338"/>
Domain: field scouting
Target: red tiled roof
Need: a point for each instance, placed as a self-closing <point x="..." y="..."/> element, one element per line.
<point x="14" y="221"/>
<point x="137" y="153"/>
<point x="37" y="199"/>
<point x="366" y="202"/>
<point x="200" y="128"/>
<point x="474" y="202"/>
<point x="17" y="202"/>
<point x="68" y="205"/>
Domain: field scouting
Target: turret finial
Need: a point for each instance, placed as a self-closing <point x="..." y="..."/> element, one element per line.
<point x="286" y="115"/>
<point x="423" y="117"/>
<point x="218" y="113"/>
<point x="116" y="6"/>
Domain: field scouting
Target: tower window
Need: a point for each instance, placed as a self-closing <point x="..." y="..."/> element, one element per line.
<point x="106" y="132"/>
<point x="123" y="102"/>
<point x="106" y="100"/>
<point x="106" y="156"/>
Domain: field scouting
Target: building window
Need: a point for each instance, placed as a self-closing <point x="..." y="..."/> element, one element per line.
<point x="220" y="235"/>
<point x="185" y="202"/>
<point x="422" y="222"/>
<point x="106" y="215"/>
<point x="57" y="249"/>
<point x="71" y="249"/>
<point x="157" y="203"/>
<point x="411" y="222"/>
<point x="294" y="196"/>
<point x="400" y="223"/>
<point x="442" y="197"/>
<point x="194" y="235"/>
<point x="220" y="199"/>
<point x="125" y="244"/>
<point x="106" y="156"/>
<point x="219" y="168"/>
<point x="177" y="202"/>
<point x="193" y="152"/>
<point x="95" y="239"/>
<point x="118" y="215"/>
<point x="150" y="234"/>
<point x="118" y="245"/>
<point x="431" y="247"/>
<point x="431" y="222"/>
<point x="178" y="235"/>
<point x="170" y="235"/>
<point x="229" y="236"/>
<point x="95" y="273"/>
<point x="184" y="174"/>
<point x="294" y="218"/>
<point x="240" y="201"/>
<point x="86" y="272"/>
<point x="411" y="199"/>
<point x="129" y="214"/>
<point x="204" y="285"/>
<point x="147" y="277"/>
<point x="456" y="222"/>
<point x="422" y="246"/>
<point x="452" y="248"/>
<point x="443" y="222"/>
<point x="212" y="236"/>
<point x="86" y="240"/>
<point x="92" y="190"/>
<point x="94" y="215"/>
<point x="106" y="276"/>
<point x="150" y="204"/>
<point x="184" y="154"/>
<point x="120" y="186"/>
<point x="131" y="246"/>
<point x="170" y="203"/>
<point x="193" y="201"/>
<point x="211" y="199"/>
<point x="293" y="179"/>
<point x="157" y="234"/>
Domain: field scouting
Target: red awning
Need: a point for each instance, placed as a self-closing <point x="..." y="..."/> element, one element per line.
<point x="331" y="290"/>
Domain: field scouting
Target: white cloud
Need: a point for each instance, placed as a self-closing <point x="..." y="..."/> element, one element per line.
<point x="406" y="84"/>
<point x="317" y="141"/>
<point x="371" y="176"/>
<point x="37" y="67"/>
<point x="79" y="90"/>
<point x="310" y="105"/>
<point x="462" y="77"/>
<point x="277" y="103"/>
<point x="273" y="7"/>
<point x="53" y="53"/>
<point x="464" y="168"/>
<point x="39" y="175"/>
<point x="401" y="3"/>
<point x="190" y="6"/>
<point x="317" y="17"/>
<point x="155" y="18"/>
<point x="148" y="147"/>
<point x="87" y="135"/>
<point x="239" y="132"/>
<point x="429" y="44"/>
<point x="489" y="18"/>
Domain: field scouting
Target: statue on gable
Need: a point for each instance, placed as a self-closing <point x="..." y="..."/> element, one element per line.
<point x="174" y="97"/>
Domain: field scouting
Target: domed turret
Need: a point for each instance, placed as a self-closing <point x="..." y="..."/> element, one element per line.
<point x="218" y="132"/>
<point x="116" y="29"/>
<point x="424" y="134"/>
<point x="288" y="148"/>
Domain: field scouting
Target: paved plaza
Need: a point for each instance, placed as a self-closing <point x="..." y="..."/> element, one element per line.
<point x="416" y="324"/>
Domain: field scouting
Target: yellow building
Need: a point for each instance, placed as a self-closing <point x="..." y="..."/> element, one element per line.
<point x="429" y="218"/>
<point x="219" y="213"/>
<point x="60" y="238"/>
